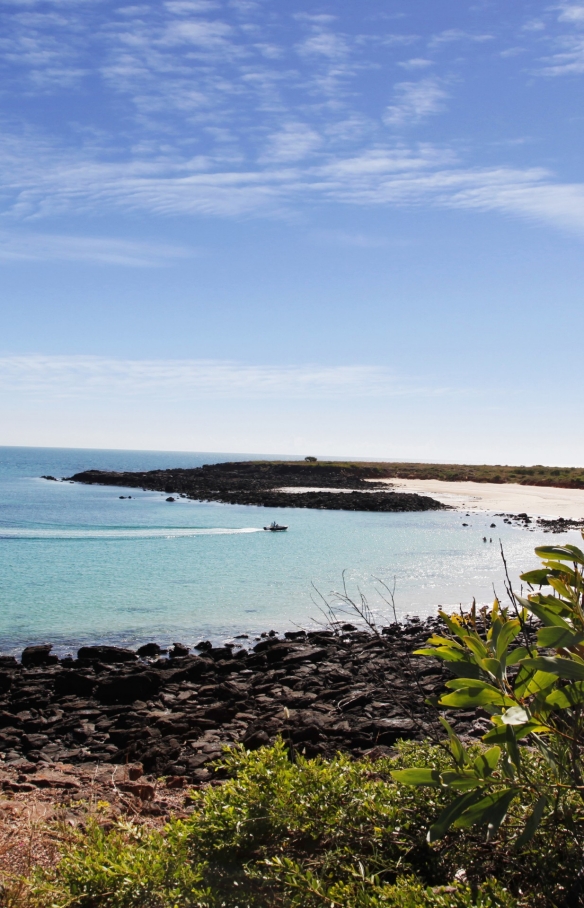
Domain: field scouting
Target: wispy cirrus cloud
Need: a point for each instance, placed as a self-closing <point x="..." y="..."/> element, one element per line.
<point x="225" y="111"/>
<point x="20" y="246"/>
<point x="398" y="175"/>
<point x="86" y="376"/>
<point x="568" y="56"/>
<point x="450" y="35"/>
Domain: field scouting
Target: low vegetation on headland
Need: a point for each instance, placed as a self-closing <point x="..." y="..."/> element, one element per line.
<point x="449" y="824"/>
<point x="538" y="475"/>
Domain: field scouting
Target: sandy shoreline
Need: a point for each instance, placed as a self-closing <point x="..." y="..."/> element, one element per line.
<point x="537" y="501"/>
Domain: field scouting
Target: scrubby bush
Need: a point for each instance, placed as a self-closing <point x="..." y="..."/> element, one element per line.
<point x="312" y="833"/>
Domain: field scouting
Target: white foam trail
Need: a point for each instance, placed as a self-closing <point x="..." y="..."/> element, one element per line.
<point x="122" y="533"/>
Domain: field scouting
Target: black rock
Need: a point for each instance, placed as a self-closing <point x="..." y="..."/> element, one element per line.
<point x="8" y="662"/>
<point x="178" y="651"/>
<point x="40" y="654"/>
<point x="149" y="650"/>
<point x="256" y="739"/>
<point x="72" y="683"/>
<point x="107" y="654"/>
<point x="128" y="688"/>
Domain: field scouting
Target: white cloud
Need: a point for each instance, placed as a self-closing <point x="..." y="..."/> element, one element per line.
<point x="569" y="60"/>
<point x="292" y="143"/>
<point x="86" y="376"/>
<point x="413" y="101"/>
<point x="41" y="181"/>
<point x="96" y="250"/>
<point x="324" y="44"/>
<point x="457" y="34"/>
<point x="569" y="56"/>
<point x="572" y="13"/>
<point x="206" y="34"/>
<point x="415" y="63"/>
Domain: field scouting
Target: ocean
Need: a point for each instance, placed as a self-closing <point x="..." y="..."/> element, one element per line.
<point x="79" y="565"/>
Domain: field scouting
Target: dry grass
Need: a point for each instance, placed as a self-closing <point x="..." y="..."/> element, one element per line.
<point x="36" y="822"/>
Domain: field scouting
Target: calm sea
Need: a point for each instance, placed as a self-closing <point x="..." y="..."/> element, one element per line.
<point x="77" y="564"/>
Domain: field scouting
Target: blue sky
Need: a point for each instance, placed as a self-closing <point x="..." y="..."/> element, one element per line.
<point x="334" y="228"/>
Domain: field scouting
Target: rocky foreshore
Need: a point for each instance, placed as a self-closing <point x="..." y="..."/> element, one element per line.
<point x="262" y="484"/>
<point x="323" y="692"/>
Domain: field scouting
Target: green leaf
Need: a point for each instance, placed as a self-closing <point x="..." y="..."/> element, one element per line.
<point x="567" y="697"/>
<point x="569" y="669"/>
<point x="474" y="643"/>
<point x="515" y="715"/>
<point x="448" y="816"/>
<point x="468" y="697"/>
<point x="458" y="683"/>
<point x="489" y="811"/>
<point x="453" y="626"/>
<point x="546" y="614"/>
<point x="517" y="654"/>
<point x="461" y="780"/>
<point x="487" y="762"/>
<point x="532" y="823"/>
<point x="436" y="640"/>
<point x="536" y="578"/>
<point x="560" y="587"/>
<point x="417" y="777"/>
<point x="493" y="666"/>
<point x="512" y="747"/>
<point x="557" y="637"/>
<point x="499" y="734"/>
<point x="447" y="653"/>
<point x="529" y="681"/>
<point x="507" y="633"/>
<point x="560" y="553"/>
<point x="456" y="745"/>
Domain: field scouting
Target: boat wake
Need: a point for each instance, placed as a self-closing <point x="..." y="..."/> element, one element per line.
<point x="121" y="532"/>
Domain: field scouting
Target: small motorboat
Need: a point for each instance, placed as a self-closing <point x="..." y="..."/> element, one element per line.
<point x="275" y="527"/>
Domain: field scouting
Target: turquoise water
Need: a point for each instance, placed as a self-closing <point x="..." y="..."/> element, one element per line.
<point x="77" y="564"/>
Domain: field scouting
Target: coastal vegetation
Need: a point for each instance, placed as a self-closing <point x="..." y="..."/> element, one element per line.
<point x="538" y="475"/>
<point x="451" y="824"/>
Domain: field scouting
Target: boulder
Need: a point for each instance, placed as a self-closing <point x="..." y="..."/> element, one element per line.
<point x="128" y="688"/>
<point x="178" y="651"/>
<point x="40" y="654"/>
<point x="149" y="650"/>
<point x="71" y="683"/>
<point x="107" y="654"/>
<point x="256" y="739"/>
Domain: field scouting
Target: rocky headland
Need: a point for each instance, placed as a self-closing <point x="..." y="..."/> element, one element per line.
<point x="262" y="483"/>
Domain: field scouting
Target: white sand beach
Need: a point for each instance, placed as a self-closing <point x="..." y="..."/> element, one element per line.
<point x="537" y="501"/>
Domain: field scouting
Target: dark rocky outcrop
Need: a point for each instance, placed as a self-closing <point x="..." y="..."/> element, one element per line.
<point x="107" y="654"/>
<point x="40" y="654"/>
<point x="261" y="482"/>
<point x="547" y="524"/>
<point x="323" y="692"/>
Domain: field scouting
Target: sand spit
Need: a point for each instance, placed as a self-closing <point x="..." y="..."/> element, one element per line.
<point x="537" y="501"/>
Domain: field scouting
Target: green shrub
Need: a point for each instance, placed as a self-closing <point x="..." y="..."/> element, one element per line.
<point x="311" y="833"/>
